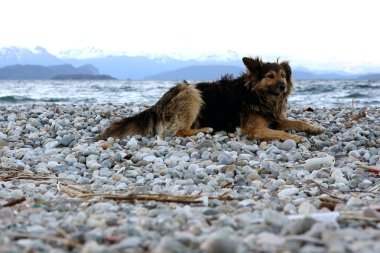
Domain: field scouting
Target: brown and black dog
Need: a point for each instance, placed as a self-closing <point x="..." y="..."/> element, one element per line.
<point x="256" y="101"/>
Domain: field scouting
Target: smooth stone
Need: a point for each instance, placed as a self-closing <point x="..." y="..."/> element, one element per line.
<point x="150" y="158"/>
<point x="51" y="144"/>
<point x="338" y="176"/>
<point x="168" y="244"/>
<point x="306" y="208"/>
<point x="287" y="145"/>
<point x="220" y="244"/>
<point x="266" y="238"/>
<point x="130" y="242"/>
<point x="274" y="218"/>
<point x="225" y="158"/>
<point x="52" y="164"/>
<point x="67" y="140"/>
<point x="93" y="165"/>
<point x="6" y="213"/>
<point x="296" y="227"/>
<point x="318" y="162"/>
<point x="287" y="192"/>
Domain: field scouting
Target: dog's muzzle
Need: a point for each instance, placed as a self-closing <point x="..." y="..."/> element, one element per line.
<point x="280" y="88"/>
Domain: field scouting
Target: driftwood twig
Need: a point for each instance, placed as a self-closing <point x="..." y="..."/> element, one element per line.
<point x="146" y="197"/>
<point x="14" y="202"/>
<point x="70" y="244"/>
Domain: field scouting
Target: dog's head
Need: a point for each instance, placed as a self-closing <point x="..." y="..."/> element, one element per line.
<point x="268" y="78"/>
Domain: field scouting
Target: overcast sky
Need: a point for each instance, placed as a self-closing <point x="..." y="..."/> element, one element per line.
<point x="327" y="33"/>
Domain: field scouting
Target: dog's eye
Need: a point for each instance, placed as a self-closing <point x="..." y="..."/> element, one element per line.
<point x="270" y="76"/>
<point x="283" y="75"/>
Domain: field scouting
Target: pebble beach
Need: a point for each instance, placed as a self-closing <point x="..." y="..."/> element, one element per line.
<point x="64" y="190"/>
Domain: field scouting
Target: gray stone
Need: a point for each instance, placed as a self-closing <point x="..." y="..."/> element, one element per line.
<point x="130" y="242"/>
<point x="51" y="144"/>
<point x="274" y="218"/>
<point x="225" y="158"/>
<point x="170" y="245"/>
<point x="287" y="145"/>
<point x="220" y="243"/>
<point x="67" y="140"/>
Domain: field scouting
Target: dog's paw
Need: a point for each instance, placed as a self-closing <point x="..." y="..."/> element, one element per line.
<point x="299" y="139"/>
<point x="208" y="130"/>
<point x="316" y="129"/>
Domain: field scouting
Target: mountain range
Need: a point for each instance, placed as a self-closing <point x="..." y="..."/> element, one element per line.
<point x="200" y="72"/>
<point x="135" y="67"/>
<point x="39" y="72"/>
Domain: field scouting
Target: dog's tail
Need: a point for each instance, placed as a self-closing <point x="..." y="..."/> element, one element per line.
<point x="143" y="123"/>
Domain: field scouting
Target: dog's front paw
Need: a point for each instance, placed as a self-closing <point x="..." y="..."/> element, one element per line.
<point x="298" y="139"/>
<point x="208" y="130"/>
<point x="316" y="129"/>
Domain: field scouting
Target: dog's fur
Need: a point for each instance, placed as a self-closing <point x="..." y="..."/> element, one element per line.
<point x="256" y="101"/>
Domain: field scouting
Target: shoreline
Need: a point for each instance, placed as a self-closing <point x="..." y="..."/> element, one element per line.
<point x="63" y="190"/>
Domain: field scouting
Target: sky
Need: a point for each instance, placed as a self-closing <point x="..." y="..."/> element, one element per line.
<point x="325" y="34"/>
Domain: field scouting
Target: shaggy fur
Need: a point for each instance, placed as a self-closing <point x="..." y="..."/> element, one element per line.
<point x="256" y="101"/>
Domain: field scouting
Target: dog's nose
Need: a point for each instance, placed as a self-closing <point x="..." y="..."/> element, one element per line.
<point x="281" y="86"/>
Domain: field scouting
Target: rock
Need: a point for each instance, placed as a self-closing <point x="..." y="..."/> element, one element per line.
<point x="130" y="242"/>
<point x="93" y="165"/>
<point x="170" y="245"/>
<point x="93" y="247"/>
<point x="52" y="164"/>
<point x="287" y="192"/>
<point x="225" y="158"/>
<point x="306" y="208"/>
<point x="266" y="238"/>
<point x="67" y="140"/>
<point x="338" y="176"/>
<point x="274" y="218"/>
<point x="287" y="145"/>
<point x="6" y="214"/>
<point x="51" y="144"/>
<point x="318" y="162"/>
<point x="220" y="244"/>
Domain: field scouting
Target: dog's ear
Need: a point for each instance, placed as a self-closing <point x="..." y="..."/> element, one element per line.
<point x="285" y="65"/>
<point x="253" y="64"/>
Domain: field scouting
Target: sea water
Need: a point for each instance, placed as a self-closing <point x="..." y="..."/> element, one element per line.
<point x="307" y="93"/>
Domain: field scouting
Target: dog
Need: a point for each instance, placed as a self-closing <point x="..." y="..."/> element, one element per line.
<point x="255" y="101"/>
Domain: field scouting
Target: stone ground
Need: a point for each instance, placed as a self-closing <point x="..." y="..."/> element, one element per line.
<point x="62" y="190"/>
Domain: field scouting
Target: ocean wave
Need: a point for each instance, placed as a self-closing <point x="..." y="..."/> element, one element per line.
<point x="356" y="95"/>
<point x="315" y="89"/>
<point x="323" y="93"/>
<point x="366" y="86"/>
<point x="23" y="99"/>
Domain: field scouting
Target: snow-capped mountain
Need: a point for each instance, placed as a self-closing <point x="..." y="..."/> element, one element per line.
<point x="137" y="67"/>
<point x="92" y="52"/>
<point x="83" y="53"/>
<point x="225" y="56"/>
<point x="18" y="55"/>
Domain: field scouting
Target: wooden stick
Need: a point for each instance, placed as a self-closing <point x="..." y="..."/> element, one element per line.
<point x="14" y="202"/>
<point x="367" y="167"/>
<point x="146" y="197"/>
<point x="66" y="241"/>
